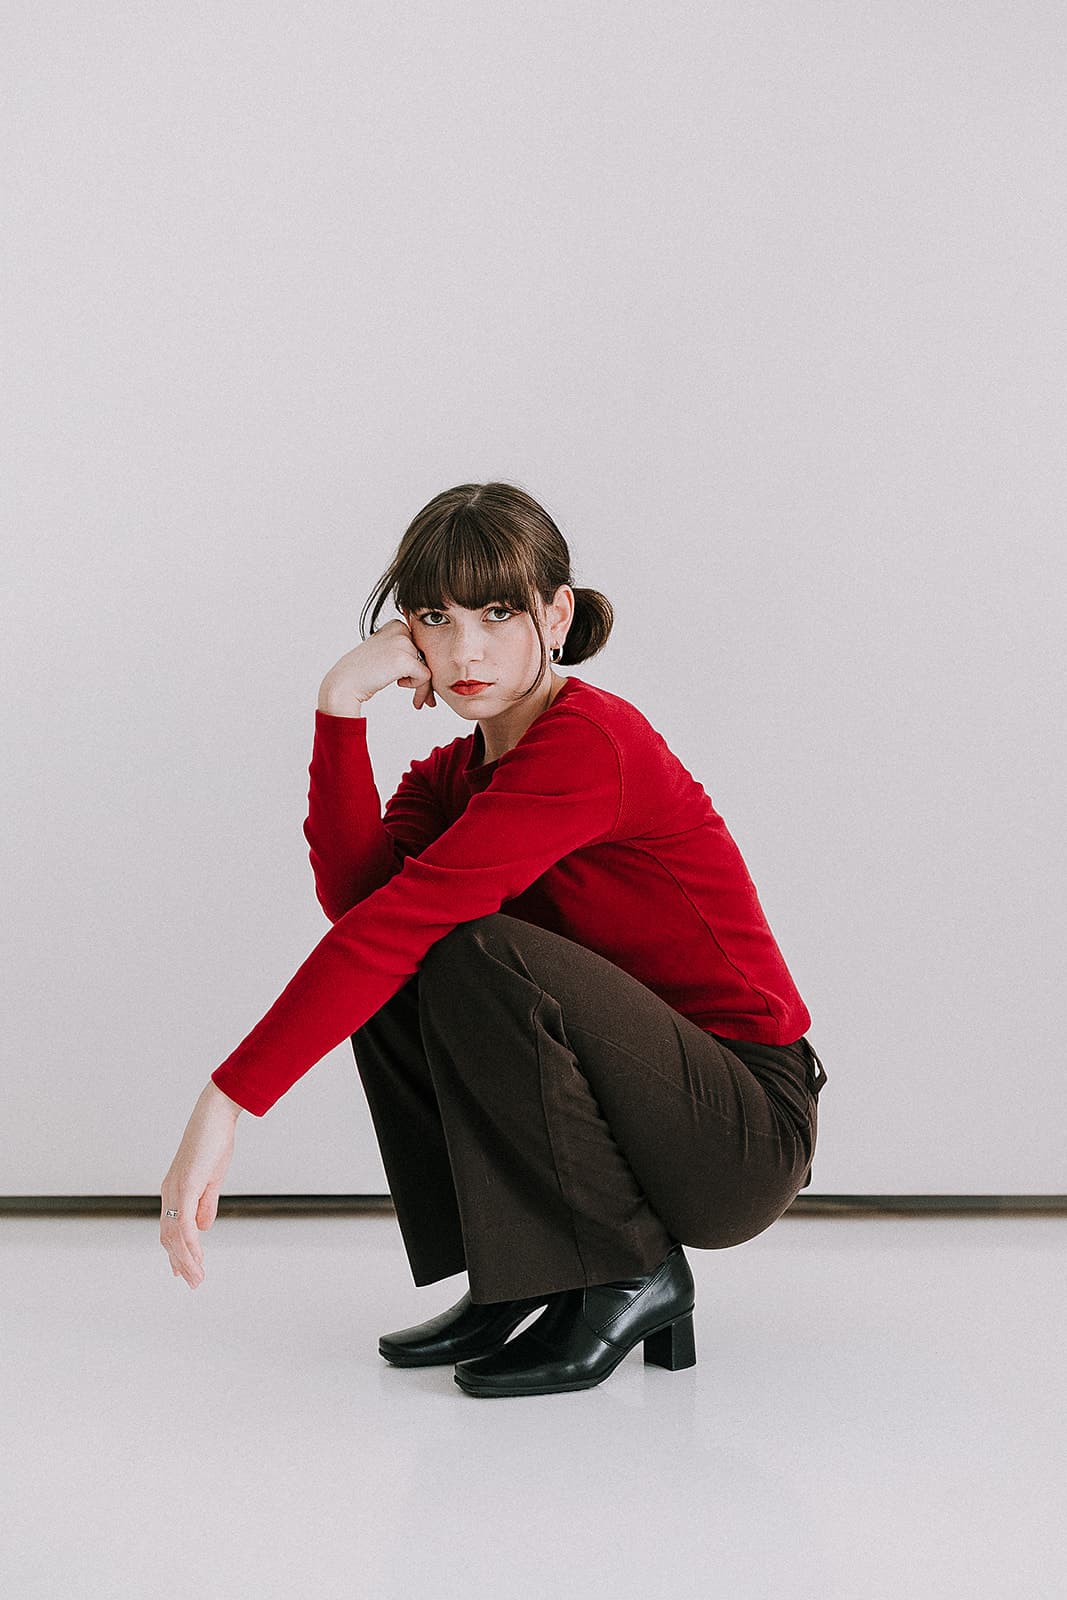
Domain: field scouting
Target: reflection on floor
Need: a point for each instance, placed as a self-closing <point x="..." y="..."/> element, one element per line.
<point x="877" y="1410"/>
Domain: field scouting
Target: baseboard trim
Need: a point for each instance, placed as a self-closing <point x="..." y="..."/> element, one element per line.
<point x="929" y="1205"/>
<point x="321" y="1205"/>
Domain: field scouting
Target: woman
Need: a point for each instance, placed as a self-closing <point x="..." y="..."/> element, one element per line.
<point x="579" y="1042"/>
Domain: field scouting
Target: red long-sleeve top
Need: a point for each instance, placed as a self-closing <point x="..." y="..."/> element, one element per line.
<point x="589" y="826"/>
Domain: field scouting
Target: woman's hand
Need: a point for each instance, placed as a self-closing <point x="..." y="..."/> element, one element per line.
<point x="388" y="656"/>
<point x="192" y="1185"/>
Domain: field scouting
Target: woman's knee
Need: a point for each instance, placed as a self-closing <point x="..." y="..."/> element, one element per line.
<point x="456" y="951"/>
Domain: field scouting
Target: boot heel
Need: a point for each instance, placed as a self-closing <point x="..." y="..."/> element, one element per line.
<point x="673" y="1347"/>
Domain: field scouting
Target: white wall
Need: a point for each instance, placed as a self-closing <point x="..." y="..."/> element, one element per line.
<point x="763" y="301"/>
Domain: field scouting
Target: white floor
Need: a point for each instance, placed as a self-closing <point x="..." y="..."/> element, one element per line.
<point x="877" y="1410"/>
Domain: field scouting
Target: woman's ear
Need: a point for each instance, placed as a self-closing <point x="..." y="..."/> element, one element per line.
<point x="562" y="607"/>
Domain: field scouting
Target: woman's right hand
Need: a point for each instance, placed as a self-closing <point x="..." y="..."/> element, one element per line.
<point x="388" y="656"/>
<point x="194" y="1180"/>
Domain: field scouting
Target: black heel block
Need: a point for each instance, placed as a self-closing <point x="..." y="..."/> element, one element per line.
<point x="673" y="1347"/>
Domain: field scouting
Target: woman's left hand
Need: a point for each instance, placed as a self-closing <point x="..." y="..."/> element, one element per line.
<point x="194" y="1179"/>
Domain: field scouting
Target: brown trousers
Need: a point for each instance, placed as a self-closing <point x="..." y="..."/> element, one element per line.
<point x="547" y="1122"/>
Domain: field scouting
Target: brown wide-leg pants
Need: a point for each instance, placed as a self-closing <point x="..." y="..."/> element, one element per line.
<point x="547" y="1122"/>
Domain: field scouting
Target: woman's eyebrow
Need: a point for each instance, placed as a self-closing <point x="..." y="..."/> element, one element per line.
<point x="483" y="607"/>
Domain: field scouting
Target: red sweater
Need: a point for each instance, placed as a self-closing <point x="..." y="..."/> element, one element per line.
<point x="589" y="826"/>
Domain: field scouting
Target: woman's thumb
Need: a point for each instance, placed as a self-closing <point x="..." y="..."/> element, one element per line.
<point x="207" y="1208"/>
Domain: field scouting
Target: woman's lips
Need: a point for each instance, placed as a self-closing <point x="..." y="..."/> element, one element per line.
<point x="469" y="688"/>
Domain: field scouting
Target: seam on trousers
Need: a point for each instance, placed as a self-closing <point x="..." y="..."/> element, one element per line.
<point x="548" y="1130"/>
<point x="705" y="1105"/>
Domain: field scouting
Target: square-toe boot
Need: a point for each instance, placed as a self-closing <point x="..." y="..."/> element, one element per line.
<point x="583" y="1334"/>
<point x="465" y="1329"/>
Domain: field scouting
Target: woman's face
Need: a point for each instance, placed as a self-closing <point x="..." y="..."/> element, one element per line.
<point x="493" y="647"/>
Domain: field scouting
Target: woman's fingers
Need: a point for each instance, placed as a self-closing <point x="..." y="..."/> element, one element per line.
<point x="177" y="1235"/>
<point x="424" y="695"/>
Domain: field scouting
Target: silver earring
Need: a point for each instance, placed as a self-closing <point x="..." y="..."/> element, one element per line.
<point x="556" y="653"/>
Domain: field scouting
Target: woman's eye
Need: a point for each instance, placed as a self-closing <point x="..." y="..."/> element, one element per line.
<point x="426" y="615"/>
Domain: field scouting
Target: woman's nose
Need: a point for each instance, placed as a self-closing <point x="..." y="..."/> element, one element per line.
<point x="468" y="649"/>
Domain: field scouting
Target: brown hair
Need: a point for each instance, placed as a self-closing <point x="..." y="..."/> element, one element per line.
<point x="486" y="542"/>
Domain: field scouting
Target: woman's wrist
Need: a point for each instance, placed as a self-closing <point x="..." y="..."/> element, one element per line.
<point x="222" y="1098"/>
<point x="337" y="702"/>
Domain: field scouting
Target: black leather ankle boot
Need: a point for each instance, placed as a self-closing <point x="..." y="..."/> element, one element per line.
<point x="465" y="1329"/>
<point x="583" y="1335"/>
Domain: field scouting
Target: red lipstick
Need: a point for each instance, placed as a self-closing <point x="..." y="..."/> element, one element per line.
<point x="468" y="686"/>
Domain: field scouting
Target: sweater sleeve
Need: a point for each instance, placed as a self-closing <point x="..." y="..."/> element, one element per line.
<point x="558" y="789"/>
<point x="352" y="847"/>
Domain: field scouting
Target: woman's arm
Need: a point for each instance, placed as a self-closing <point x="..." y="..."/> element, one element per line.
<point x="353" y="850"/>
<point x="557" y="790"/>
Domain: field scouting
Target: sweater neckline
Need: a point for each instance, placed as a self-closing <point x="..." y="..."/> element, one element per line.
<point x="473" y="768"/>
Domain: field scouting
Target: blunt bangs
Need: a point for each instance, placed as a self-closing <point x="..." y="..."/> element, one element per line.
<point x="461" y="563"/>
